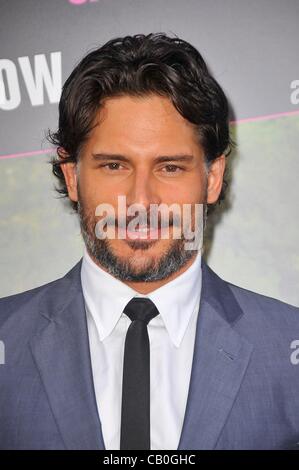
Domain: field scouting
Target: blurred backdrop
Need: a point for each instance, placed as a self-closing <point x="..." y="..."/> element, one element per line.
<point x="252" y="50"/>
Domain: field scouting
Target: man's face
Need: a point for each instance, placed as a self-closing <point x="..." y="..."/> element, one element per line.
<point x="122" y="157"/>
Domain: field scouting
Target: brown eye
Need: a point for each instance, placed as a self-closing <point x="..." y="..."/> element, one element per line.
<point x="111" y="166"/>
<point x="172" y="168"/>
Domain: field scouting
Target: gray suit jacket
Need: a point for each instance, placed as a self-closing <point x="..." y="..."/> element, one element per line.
<point x="244" y="388"/>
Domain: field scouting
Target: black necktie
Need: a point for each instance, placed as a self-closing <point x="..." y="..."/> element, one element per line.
<point x="135" y="412"/>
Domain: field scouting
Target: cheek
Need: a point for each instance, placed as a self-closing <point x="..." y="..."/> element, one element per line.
<point x="192" y="192"/>
<point x="92" y="190"/>
<point x="87" y="185"/>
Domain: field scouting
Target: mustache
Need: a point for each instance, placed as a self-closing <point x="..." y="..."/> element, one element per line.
<point x="157" y="222"/>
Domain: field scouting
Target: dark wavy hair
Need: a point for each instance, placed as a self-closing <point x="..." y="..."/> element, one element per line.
<point x="140" y="65"/>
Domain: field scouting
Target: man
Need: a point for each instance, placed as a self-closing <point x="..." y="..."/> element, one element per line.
<point x="141" y="345"/>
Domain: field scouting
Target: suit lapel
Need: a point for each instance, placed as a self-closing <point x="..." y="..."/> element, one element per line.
<point x="220" y="359"/>
<point x="61" y="353"/>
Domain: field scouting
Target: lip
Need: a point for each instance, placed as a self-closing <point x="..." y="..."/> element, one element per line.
<point x="144" y="233"/>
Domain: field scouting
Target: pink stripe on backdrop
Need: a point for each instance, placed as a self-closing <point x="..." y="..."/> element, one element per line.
<point x="239" y="121"/>
<point x="26" y="154"/>
<point x="267" y="117"/>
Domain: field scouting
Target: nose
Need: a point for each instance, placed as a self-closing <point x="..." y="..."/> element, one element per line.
<point x="143" y="189"/>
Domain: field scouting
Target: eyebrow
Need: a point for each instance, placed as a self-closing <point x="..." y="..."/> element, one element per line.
<point x="159" y="159"/>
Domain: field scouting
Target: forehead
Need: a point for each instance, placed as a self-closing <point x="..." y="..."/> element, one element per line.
<point x="138" y="121"/>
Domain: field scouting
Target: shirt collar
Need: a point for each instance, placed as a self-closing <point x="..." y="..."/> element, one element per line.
<point x="106" y="297"/>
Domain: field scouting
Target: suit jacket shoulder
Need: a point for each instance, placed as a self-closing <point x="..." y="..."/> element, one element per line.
<point x="268" y="316"/>
<point x="20" y="313"/>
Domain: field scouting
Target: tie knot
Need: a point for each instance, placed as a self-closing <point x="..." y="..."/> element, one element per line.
<point x="141" y="309"/>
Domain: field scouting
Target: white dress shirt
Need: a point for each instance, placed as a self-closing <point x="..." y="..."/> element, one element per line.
<point x="171" y="336"/>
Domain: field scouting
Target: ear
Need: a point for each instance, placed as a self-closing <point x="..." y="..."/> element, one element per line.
<point x="70" y="175"/>
<point x="215" y="179"/>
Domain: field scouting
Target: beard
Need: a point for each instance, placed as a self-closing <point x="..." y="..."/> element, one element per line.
<point x="154" y="268"/>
